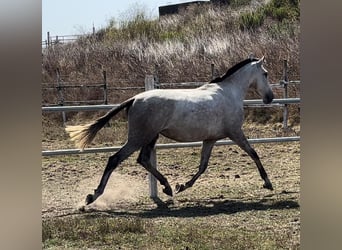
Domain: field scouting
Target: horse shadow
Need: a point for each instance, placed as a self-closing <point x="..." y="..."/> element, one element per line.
<point x="204" y="208"/>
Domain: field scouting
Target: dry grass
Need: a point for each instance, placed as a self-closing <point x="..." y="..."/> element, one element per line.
<point x="176" y="48"/>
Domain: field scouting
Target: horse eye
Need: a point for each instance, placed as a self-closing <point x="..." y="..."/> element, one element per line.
<point x="266" y="74"/>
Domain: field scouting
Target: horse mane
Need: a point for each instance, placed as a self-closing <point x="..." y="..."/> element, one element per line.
<point x="233" y="69"/>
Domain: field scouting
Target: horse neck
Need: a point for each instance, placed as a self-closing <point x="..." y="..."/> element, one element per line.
<point x="238" y="83"/>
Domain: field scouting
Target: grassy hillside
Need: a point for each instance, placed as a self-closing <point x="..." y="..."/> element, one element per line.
<point x="182" y="47"/>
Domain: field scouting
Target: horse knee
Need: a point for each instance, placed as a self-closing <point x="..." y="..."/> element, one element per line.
<point x="143" y="159"/>
<point x="112" y="159"/>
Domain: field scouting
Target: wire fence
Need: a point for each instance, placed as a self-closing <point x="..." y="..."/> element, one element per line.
<point x="51" y="41"/>
<point x="56" y="40"/>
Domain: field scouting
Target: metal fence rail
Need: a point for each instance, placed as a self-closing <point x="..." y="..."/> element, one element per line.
<point x="161" y="146"/>
<point x="110" y="106"/>
<point x="166" y="146"/>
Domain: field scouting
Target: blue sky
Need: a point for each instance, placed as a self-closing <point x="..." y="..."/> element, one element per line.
<point x="69" y="17"/>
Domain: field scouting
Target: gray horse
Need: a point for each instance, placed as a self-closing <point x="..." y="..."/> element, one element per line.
<point x="208" y="113"/>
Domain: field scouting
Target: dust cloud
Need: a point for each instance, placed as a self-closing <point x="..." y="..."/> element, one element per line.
<point x="120" y="190"/>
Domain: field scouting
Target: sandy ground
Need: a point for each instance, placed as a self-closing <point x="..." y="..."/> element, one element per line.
<point x="66" y="180"/>
<point x="228" y="194"/>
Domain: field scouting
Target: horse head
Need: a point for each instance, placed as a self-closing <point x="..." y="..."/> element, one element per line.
<point x="261" y="80"/>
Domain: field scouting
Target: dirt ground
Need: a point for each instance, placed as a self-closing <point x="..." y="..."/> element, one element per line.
<point x="68" y="179"/>
<point x="229" y="192"/>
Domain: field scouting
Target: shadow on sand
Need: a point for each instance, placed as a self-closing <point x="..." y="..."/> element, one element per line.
<point x="201" y="208"/>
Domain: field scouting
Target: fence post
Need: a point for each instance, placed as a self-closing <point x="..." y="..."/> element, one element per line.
<point x="48" y="39"/>
<point x="60" y="94"/>
<point x="212" y="71"/>
<point x="149" y="82"/>
<point x="285" y="82"/>
<point x="105" y="94"/>
<point x="149" y="85"/>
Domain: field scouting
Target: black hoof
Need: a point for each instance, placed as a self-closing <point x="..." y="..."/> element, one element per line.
<point x="89" y="199"/>
<point x="81" y="209"/>
<point x="268" y="186"/>
<point x="180" y="188"/>
<point x="168" y="191"/>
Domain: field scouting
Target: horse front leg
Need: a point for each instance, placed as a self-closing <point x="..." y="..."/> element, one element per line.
<point x="241" y="141"/>
<point x="205" y="155"/>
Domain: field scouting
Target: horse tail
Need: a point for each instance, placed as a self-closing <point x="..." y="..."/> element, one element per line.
<point x="82" y="135"/>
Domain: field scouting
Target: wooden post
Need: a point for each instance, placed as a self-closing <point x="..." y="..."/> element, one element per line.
<point x="152" y="180"/>
<point x="212" y="71"/>
<point x="48" y="39"/>
<point x="60" y="94"/>
<point x="285" y="82"/>
<point x="149" y="82"/>
<point x="149" y="85"/>
<point x="105" y="94"/>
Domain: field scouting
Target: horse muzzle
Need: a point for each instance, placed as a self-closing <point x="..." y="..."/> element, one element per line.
<point x="268" y="98"/>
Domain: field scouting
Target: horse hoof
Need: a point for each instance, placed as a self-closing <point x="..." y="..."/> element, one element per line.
<point x="180" y="188"/>
<point x="81" y="209"/>
<point x="268" y="186"/>
<point x="89" y="199"/>
<point x="168" y="191"/>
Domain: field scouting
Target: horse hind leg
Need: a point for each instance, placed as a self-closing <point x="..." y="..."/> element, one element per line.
<point x="205" y="155"/>
<point x="112" y="163"/>
<point x="145" y="160"/>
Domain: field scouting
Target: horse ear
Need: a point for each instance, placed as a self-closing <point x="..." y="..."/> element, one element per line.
<point x="261" y="60"/>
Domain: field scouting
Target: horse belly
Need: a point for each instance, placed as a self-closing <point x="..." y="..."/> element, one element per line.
<point x="195" y="130"/>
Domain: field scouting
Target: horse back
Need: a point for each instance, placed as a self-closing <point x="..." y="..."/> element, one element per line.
<point x="182" y="115"/>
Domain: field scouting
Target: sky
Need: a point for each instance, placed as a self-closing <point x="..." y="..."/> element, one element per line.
<point x="72" y="17"/>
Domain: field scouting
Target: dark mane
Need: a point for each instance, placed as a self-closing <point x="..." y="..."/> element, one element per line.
<point x="233" y="69"/>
